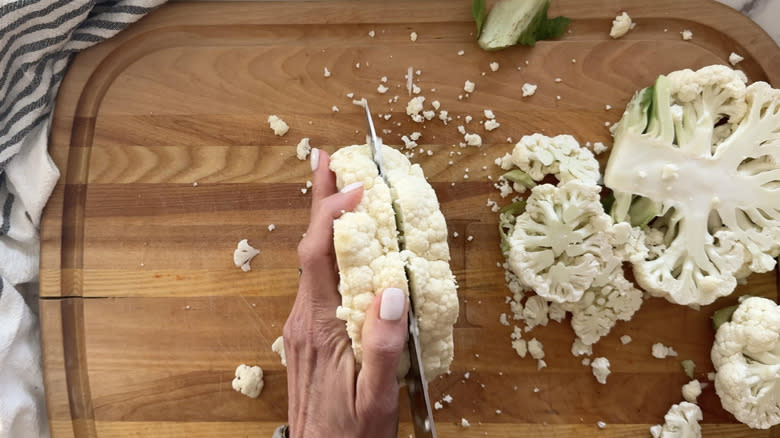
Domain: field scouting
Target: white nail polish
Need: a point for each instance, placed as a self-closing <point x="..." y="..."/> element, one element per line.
<point x="393" y="304"/>
<point x="350" y="187"/>
<point x="315" y="159"/>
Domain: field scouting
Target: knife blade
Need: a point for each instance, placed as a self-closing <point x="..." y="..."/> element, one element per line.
<point x="416" y="384"/>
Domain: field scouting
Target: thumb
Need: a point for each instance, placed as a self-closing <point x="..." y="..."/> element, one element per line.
<point x="385" y="333"/>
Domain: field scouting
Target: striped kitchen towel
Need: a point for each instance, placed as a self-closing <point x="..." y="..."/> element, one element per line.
<point x="37" y="40"/>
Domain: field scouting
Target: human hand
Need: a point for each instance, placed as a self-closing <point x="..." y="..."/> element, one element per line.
<point x="328" y="396"/>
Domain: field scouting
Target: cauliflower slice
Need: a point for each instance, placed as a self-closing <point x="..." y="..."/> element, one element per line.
<point x="746" y="355"/>
<point x="685" y="133"/>
<point x="365" y="243"/>
<point x="548" y="243"/>
<point x="368" y="252"/>
<point x="248" y="380"/>
<point x="682" y="420"/>
<point x="539" y="155"/>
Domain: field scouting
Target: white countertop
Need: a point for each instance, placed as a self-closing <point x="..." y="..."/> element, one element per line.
<point x="764" y="12"/>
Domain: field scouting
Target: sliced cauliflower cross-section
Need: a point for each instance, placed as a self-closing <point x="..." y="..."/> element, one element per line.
<point x="702" y="149"/>
<point x="549" y="240"/>
<point x="746" y="355"/>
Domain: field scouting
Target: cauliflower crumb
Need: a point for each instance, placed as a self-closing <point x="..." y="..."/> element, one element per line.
<point x="408" y="143"/>
<point x="503" y="319"/>
<point x="371" y="33"/>
<point x="469" y="87"/>
<point x="244" y="254"/>
<point x="415" y="136"/>
<point x="558" y="80"/>
<point x="437" y="405"/>
<point x="661" y="351"/>
<point x="473" y="139"/>
<point x="601" y="424"/>
<point x="491" y="125"/>
<point x="326" y="72"/>
<point x="381" y="89"/>
<point x="691" y="391"/>
<point x="600" y="367"/>
<point x="625" y="339"/>
<point x="416" y="89"/>
<point x="278" y="348"/>
<point x="579" y="348"/>
<point x="280" y="128"/>
<point x="620" y="26"/>
<point x="735" y="59"/>
<point x="494" y="66"/>
<point x="271" y="227"/>
<point x="686" y="35"/>
<point x="414" y="107"/>
<point x="536" y="349"/>
<point x="464" y="423"/>
<point x="529" y="89"/>
<point x="413" y="36"/>
<point x="446" y="398"/>
<point x="468" y="119"/>
<point x="248" y="380"/>
<point x="488" y="114"/>
<point x="429" y="114"/>
<point x="461" y="52"/>
<point x="303" y="149"/>
<point x="599" y="148"/>
<point x="462" y="129"/>
<point x="334" y="108"/>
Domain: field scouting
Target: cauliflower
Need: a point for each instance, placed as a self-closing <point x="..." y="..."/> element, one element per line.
<point x="278" y="125"/>
<point x="278" y="348"/>
<point x="661" y="351"/>
<point x="365" y="242"/>
<point x="746" y="355"/>
<point x="691" y="391"/>
<point x="376" y="259"/>
<point x="621" y="25"/>
<point x="601" y="370"/>
<point x="303" y="149"/>
<point x="248" y="380"/>
<point x="528" y="89"/>
<point x="681" y="421"/>
<point x="561" y="156"/>
<point x="243" y="255"/>
<point x="696" y="156"/>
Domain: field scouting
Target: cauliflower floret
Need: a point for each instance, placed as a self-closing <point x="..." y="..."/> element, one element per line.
<point x="248" y="380"/>
<point x="528" y="89"/>
<point x="472" y="139"/>
<point x="535" y="312"/>
<point x="244" y="254"/>
<point x="661" y="351"/>
<point x="691" y="391"/>
<point x="414" y="107"/>
<point x="535" y="349"/>
<point x="539" y="155"/>
<point x="713" y="228"/>
<point x="278" y="125"/>
<point x="601" y="370"/>
<point x="547" y="244"/>
<point x="621" y="25"/>
<point x="682" y="420"/>
<point x="746" y="355"/>
<point x="735" y="59"/>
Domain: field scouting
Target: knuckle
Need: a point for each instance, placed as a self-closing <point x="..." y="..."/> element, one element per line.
<point x="385" y="348"/>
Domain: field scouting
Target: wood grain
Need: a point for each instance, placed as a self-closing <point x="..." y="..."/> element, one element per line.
<point x="143" y="316"/>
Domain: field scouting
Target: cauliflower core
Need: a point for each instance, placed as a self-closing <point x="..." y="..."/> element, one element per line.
<point x="746" y="355"/>
<point x="370" y="258"/>
<point x="696" y="156"/>
<point x="248" y="380"/>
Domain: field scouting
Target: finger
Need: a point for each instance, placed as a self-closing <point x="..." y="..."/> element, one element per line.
<point x="384" y="343"/>
<point x="324" y="181"/>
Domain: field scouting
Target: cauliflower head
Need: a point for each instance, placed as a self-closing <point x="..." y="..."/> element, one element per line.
<point x="370" y="257"/>
<point x="697" y="153"/>
<point x="549" y="244"/>
<point x="746" y="355"/>
<point x="681" y="421"/>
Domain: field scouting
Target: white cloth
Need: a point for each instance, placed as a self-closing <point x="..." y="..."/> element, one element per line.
<point x="37" y="39"/>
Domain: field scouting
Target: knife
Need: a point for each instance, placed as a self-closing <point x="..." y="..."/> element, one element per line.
<point x="416" y="385"/>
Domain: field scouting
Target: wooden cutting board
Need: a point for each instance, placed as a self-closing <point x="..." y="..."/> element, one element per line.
<point x="144" y="316"/>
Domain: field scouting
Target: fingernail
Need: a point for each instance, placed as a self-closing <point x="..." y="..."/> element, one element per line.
<point x="315" y="159"/>
<point x="393" y="303"/>
<point x="350" y="187"/>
